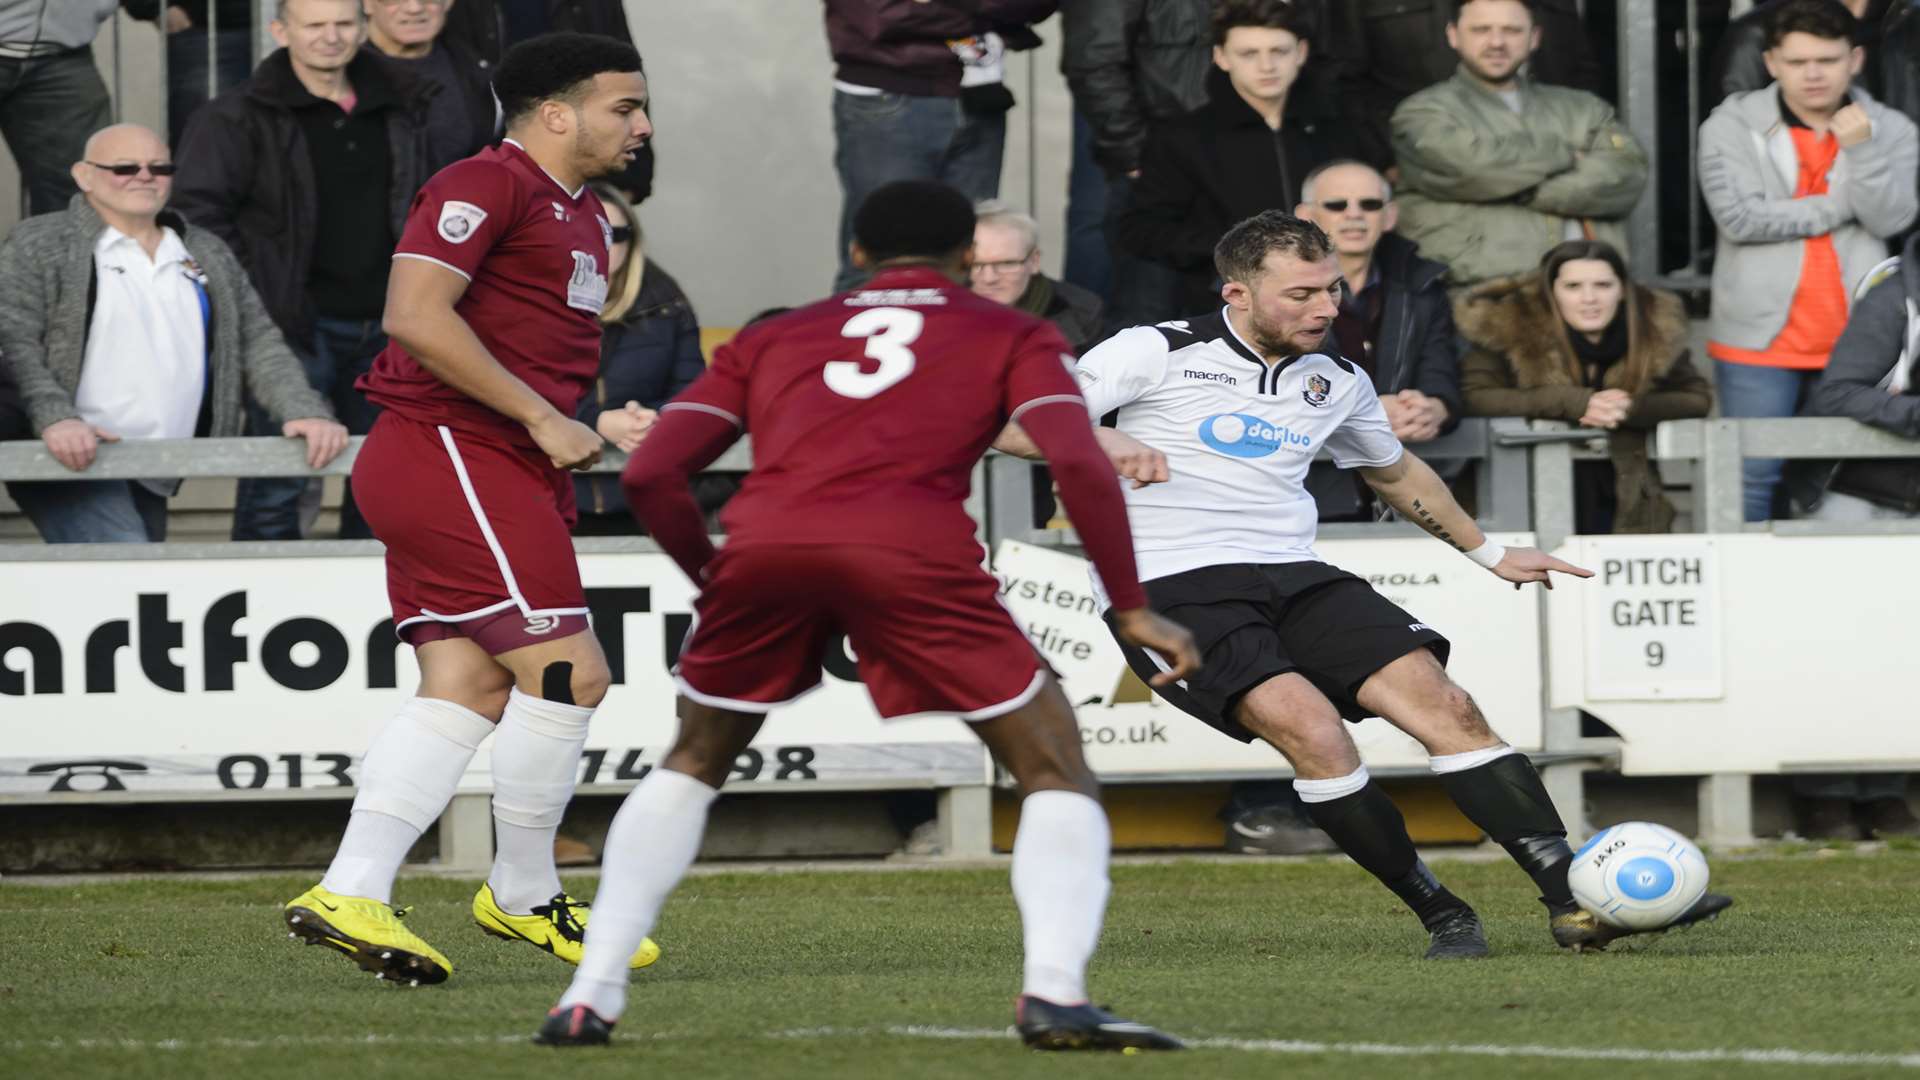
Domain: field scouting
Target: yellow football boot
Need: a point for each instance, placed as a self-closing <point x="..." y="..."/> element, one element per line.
<point x="369" y="933"/>
<point x="558" y="926"/>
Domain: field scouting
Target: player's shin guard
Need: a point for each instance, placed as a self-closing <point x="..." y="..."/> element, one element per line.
<point x="1368" y="827"/>
<point x="1498" y="789"/>
<point x="1060" y="885"/>
<point x="406" y="779"/>
<point x="536" y="759"/>
<point x="652" y="842"/>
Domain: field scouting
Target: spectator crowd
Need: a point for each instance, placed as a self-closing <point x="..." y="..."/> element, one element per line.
<point x="227" y="276"/>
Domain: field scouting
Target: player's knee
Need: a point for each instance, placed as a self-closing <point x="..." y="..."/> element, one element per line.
<point x="1048" y="767"/>
<point x="585" y="680"/>
<point x="1309" y="738"/>
<point x="1460" y="712"/>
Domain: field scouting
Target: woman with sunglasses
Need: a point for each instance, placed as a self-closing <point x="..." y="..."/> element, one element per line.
<point x="650" y="351"/>
<point x="1578" y="340"/>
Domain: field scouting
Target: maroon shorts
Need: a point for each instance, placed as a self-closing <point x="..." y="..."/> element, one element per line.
<point x="929" y="634"/>
<point x="477" y="536"/>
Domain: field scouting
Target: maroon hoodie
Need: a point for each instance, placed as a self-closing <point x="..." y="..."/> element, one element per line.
<point x="901" y="45"/>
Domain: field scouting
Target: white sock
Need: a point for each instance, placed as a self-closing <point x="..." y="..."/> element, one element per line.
<point x="653" y="840"/>
<point x="1060" y="884"/>
<point x="1471" y="759"/>
<point x="536" y="760"/>
<point x="370" y="854"/>
<point x="406" y="779"/>
<point x="1331" y="788"/>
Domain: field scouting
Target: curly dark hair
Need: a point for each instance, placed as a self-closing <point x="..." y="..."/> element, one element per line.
<point x="1241" y="255"/>
<point x="557" y="66"/>
<point x="913" y="219"/>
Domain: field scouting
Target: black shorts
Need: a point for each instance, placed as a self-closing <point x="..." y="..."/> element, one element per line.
<point x="1253" y="622"/>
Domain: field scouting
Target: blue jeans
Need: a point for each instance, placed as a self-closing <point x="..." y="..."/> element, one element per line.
<point x="92" y="511"/>
<point x="1752" y="390"/>
<point x="880" y="138"/>
<point x="1087" y="263"/>
<point x="49" y="105"/>
<point x="187" y="71"/>
<point x="342" y="351"/>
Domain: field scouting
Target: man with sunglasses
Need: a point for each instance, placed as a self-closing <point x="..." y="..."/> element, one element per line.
<point x="122" y="322"/>
<point x="1394" y="319"/>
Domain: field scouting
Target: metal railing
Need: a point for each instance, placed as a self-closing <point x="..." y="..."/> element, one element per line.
<point x="218" y="458"/>
<point x="150" y="458"/>
<point x="1495" y="449"/>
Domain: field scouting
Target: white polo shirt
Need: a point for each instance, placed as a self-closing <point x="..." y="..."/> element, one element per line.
<point x="1239" y="434"/>
<point x="145" y="368"/>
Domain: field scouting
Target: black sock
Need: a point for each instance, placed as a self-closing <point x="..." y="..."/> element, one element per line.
<point x="1506" y="799"/>
<point x="1369" y="828"/>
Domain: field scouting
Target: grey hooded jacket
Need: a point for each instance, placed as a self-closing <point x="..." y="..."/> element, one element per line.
<point x="1748" y="172"/>
<point x="47" y="277"/>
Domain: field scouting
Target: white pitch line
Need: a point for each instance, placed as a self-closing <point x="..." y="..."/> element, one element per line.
<point x="1798" y="1058"/>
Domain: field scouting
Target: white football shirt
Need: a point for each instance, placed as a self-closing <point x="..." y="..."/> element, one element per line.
<point x="1239" y="434"/>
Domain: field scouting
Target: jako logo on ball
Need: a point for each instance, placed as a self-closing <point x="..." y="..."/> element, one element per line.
<point x="1240" y="435"/>
<point x="1638" y="875"/>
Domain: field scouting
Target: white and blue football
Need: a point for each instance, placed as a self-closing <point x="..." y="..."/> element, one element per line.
<point x="1638" y="875"/>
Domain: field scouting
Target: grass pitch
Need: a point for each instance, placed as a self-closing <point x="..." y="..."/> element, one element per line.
<point x="1311" y="966"/>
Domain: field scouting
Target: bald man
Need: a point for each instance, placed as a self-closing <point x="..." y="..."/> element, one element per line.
<point x="174" y="339"/>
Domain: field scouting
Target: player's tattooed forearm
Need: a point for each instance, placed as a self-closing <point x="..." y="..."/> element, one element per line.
<point x="1428" y="522"/>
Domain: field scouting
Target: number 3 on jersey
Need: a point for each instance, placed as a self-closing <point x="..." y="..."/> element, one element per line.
<point x="888" y="330"/>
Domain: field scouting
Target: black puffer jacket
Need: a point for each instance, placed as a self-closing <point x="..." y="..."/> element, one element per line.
<point x="1217" y="165"/>
<point x="246" y="176"/>
<point x="1386" y="50"/>
<point x="1417" y="349"/>
<point x="1131" y="64"/>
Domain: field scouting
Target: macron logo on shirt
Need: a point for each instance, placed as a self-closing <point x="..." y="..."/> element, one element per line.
<point x="1210" y="376"/>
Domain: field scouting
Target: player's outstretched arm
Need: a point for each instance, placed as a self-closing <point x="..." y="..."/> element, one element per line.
<point x="1131" y="459"/>
<point x="682" y="442"/>
<point x="421" y="317"/>
<point x="1410" y="486"/>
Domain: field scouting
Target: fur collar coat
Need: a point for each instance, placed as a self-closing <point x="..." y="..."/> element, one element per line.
<point x="1519" y="363"/>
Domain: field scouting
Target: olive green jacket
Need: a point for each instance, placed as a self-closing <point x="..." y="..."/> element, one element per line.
<point x="1487" y="191"/>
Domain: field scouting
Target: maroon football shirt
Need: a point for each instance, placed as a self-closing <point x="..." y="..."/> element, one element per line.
<point x="869" y="409"/>
<point x="536" y="259"/>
